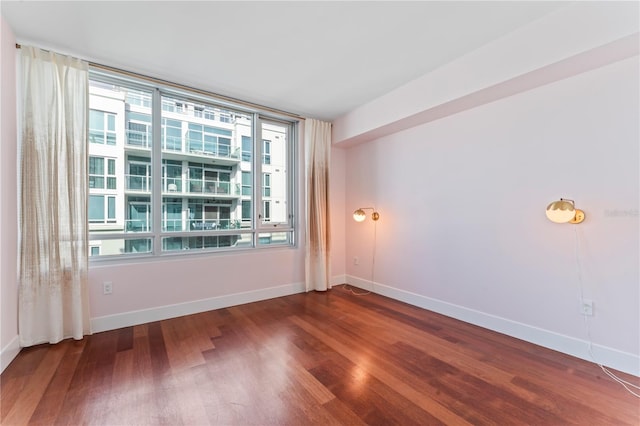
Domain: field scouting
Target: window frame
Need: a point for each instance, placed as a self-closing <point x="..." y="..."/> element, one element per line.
<point x="265" y="221"/>
<point x="255" y="228"/>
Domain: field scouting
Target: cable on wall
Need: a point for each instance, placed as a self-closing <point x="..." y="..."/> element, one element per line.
<point x="625" y="384"/>
<point x="349" y="288"/>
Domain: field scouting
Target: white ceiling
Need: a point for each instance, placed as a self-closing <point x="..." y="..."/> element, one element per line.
<point x="316" y="59"/>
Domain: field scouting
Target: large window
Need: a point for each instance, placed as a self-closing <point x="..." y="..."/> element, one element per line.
<point x="196" y="175"/>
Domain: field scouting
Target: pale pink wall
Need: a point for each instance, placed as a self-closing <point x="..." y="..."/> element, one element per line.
<point x="8" y="189"/>
<point x="462" y="203"/>
<point x="154" y="284"/>
<point x="158" y="283"/>
<point x="339" y="214"/>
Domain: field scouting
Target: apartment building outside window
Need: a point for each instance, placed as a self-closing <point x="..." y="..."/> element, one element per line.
<point x="171" y="172"/>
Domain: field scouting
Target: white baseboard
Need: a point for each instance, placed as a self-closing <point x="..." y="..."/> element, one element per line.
<point x="9" y="352"/>
<point x="127" y="319"/>
<point x="338" y="279"/>
<point x="610" y="357"/>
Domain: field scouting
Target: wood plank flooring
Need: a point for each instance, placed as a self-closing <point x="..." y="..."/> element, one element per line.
<point x="309" y="359"/>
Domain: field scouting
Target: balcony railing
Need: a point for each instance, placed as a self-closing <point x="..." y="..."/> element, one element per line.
<point x="212" y="149"/>
<point x="197" y="111"/>
<point x="141" y="99"/>
<point x="137" y="225"/>
<point x="192" y="146"/>
<point x="174" y="185"/>
<point x="173" y="225"/>
<point x="204" y="186"/>
<point x="180" y="225"/>
<point x="138" y="139"/>
<point x="138" y="183"/>
<point x="198" y="224"/>
<point x="172" y="143"/>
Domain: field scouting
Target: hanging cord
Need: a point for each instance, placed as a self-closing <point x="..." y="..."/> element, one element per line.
<point x="373" y="255"/>
<point x="349" y="288"/>
<point x="622" y="382"/>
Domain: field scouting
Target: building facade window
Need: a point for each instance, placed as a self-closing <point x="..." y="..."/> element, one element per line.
<point x="99" y="175"/>
<point x="266" y="211"/>
<point x="246" y="148"/>
<point x="139" y="98"/>
<point x="112" y="180"/>
<point x="208" y="140"/>
<point x="102" y="209"/>
<point x="266" y="152"/>
<point x="96" y="172"/>
<point x="102" y="127"/>
<point x="266" y="185"/>
<point x="246" y="212"/>
<point x="171" y="134"/>
<point x="246" y="184"/>
<point x="139" y="130"/>
<point x="190" y="187"/>
<point x="138" y="175"/>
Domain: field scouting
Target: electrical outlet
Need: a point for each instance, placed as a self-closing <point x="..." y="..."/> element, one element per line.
<point x="356" y="260"/>
<point x="586" y="307"/>
<point x="107" y="287"/>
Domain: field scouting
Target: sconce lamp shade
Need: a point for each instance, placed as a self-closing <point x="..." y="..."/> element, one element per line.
<point x="561" y="211"/>
<point x="359" y="215"/>
<point x="564" y="211"/>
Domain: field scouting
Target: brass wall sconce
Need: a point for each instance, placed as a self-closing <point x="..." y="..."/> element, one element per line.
<point x="359" y="215"/>
<point x="564" y="211"/>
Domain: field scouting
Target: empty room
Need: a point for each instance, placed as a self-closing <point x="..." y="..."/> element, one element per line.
<point x="320" y="212"/>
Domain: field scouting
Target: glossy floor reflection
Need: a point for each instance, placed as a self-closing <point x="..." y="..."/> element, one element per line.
<point x="308" y="359"/>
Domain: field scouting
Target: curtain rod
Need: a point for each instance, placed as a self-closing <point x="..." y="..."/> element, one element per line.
<point x="192" y="89"/>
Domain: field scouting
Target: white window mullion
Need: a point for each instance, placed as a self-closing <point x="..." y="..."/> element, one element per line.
<point x="258" y="213"/>
<point x="156" y="171"/>
<point x="293" y="173"/>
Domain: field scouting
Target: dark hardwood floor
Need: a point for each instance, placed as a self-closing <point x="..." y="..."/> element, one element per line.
<point x="309" y="359"/>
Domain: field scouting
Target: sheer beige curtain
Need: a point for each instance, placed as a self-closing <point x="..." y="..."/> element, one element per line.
<point x="318" y="159"/>
<point x="53" y="302"/>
